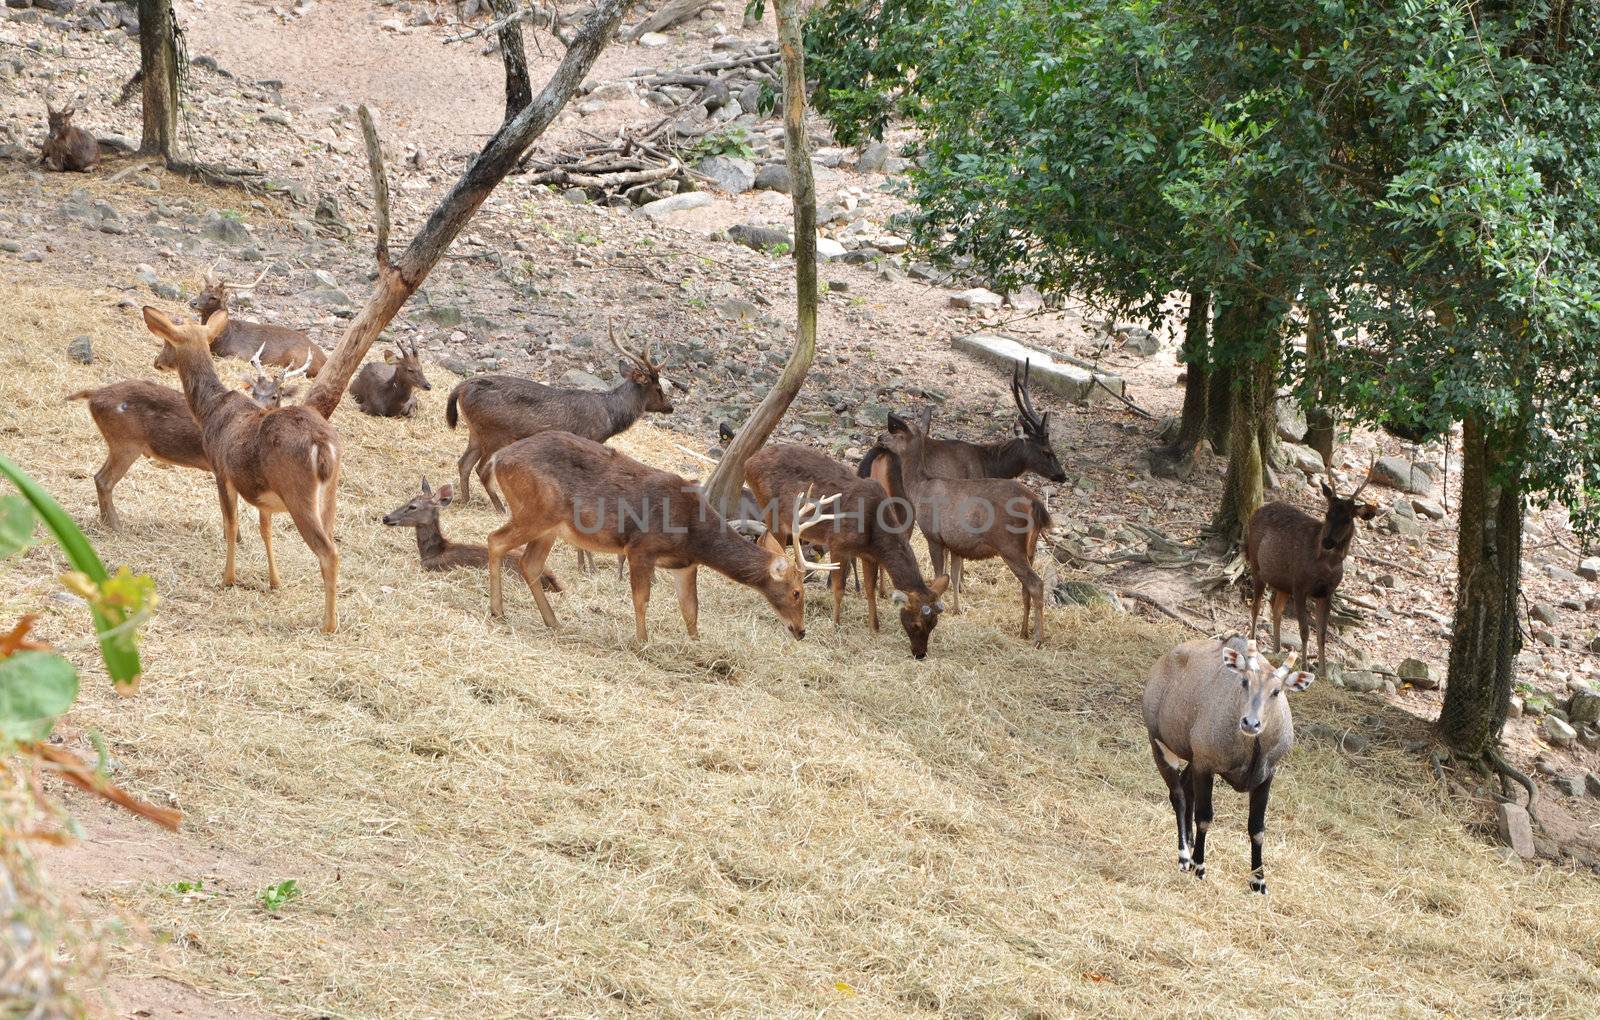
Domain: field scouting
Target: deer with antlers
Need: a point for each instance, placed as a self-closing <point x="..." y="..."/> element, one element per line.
<point x="283" y="460"/>
<point x="388" y="390"/>
<point x="501" y="409"/>
<point x="278" y="346"/>
<point x="67" y="147"/>
<point x="560" y="485"/>
<point x="1301" y="558"/>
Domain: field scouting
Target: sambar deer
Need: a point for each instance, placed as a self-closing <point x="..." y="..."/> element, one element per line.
<point x="284" y="460"/>
<point x="421" y="513"/>
<point x="279" y="346"/>
<point x="67" y="147"/>
<point x="388" y="390"/>
<point x="559" y="485"/>
<point x="867" y="526"/>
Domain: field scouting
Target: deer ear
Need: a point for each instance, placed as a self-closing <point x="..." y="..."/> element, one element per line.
<point x="939" y="584"/>
<point x="770" y="544"/>
<point x="1367" y="511"/>
<point x="1299" y="680"/>
<point x="1327" y="492"/>
<point x="388" y="357"/>
<point x="447" y="492"/>
<point x="1233" y="659"/>
<point x="897" y="423"/>
<point x="157" y="322"/>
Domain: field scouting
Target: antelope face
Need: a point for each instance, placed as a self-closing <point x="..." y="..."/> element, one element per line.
<point x="1261" y="685"/>
<point x="920" y="615"/>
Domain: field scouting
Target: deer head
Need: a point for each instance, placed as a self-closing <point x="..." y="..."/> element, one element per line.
<point x="919" y="614"/>
<point x="1260" y="686"/>
<point x="1034" y="429"/>
<point x="639" y="368"/>
<point x="407" y="362"/>
<point x="422" y="508"/>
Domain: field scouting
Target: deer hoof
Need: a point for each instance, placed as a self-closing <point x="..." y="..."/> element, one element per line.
<point x="1200" y="871"/>
<point x="1258" y="885"/>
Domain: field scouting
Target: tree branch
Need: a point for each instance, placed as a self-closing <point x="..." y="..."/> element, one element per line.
<point x="380" y="184"/>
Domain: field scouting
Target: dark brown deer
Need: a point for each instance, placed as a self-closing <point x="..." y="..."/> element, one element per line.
<point x="1028" y="450"/>
<point x="271" y="390"/>
<point x="501" y="409"/>
<point x="387" y="390"/>
<point x="973" y="518"/>
<point x="68" y="147"/>
<point x="284" y="460"/>
<point x="421" y="512"/>
<point x="559" y="485"/>
<point x="279" y="346"/>
<point x="1301" y="558"/>
<point x="867" y="526"/>
<point x="144" y="419"/>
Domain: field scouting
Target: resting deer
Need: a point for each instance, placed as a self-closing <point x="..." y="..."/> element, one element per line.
<point x="1301" y="558"/>
<point x="421" y="512"/>
<point x="387" y="390"/>
<point x="279" y="346"/>
<point x="68" y="147"/>
<point x="280" y="460"/>
<point x="974" y="518"/>
<point x="559" y="485"/>
<point x="501" y="409"/>
<point x="867" y="526"/>
<point x="1219" y="709"/>
<point x="144" y="419"/>
<point x="1028" y="450"/>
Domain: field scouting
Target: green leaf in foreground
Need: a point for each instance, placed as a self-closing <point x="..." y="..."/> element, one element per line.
<point x="35" y="688"/>
<point x="16" y="525"/>
<point x="273" y="897"/>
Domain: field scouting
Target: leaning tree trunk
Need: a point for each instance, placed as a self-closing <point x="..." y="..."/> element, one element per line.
<point x="1253" y="364"/>
<point x="1486" y="639"/>
<point x="158" y="68"/>
<point x="1219" y="390"/>
<point x="399" y="280"/>
<point x="1173" y="458"/>
<point x="519" y="92"/>
<point x="722" y="490"/>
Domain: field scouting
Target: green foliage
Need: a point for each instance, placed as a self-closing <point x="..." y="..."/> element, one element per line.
<point x="728" y="142"/>
<point x="184" y="887"/>
<point x="35" y="688"/>
<point x="16" y="525"/>
<point x="276" y="896"/>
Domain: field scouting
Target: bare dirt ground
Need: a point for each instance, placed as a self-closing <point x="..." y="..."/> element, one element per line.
<point x="530" y="290"/>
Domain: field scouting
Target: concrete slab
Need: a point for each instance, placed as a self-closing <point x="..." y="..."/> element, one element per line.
<point x="1069" y="377"/>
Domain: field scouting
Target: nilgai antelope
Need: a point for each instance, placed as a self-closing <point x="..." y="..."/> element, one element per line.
<point x="501" y="409"/>
<point x="144" y="419"/>
<point x="387" y="390"/>
<point x="867" y="526"/>
<point x="559" y="485"/>
<point x="1301" y="558"/>
<point x="1028" y="450"/>
<point x="67" y="147"/>
<point x="421" y="512"/>
<point x="279" y="346"/>
<point x="284" y="460"/>
<point x="973" y="518"/>
<point x="1218" y="709"/>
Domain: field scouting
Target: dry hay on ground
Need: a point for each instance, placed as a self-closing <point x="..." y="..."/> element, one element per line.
<point x="493" y="820"/>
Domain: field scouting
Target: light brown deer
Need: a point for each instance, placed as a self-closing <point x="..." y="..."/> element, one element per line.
<point x="284" y="460"/>
<point x="68" y="147"/>
<point x="973" y="518"/>
<point x="388" y="390"/>
<point x="559" y="485"/>
<point x="279" y="346"/>
<point x="421" y="512"/>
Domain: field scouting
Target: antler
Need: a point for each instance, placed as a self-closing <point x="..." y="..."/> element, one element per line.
<point x="640" y="357"/>
<point x="238" y="287"/>
<point x="1368" y="479"/>
<point x="255" y="361"/>
<point x="1024" y="400"/>
<point x="295" y="373"/>
<point x="809" y="515"/>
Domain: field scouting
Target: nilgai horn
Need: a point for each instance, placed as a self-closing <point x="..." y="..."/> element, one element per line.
<point x="421" y="512"/>
<point x="501" y="409"/>
<point x="559" y="485"/>
<point x="1301" y="558"/>
<point x="867" y="526"/>
<point x="278" y="346"/>
<point x="387" y="390"/>
<point x="280" y="460"/>
<point x="67" y="147"/>
<point x="1219" y="709"/>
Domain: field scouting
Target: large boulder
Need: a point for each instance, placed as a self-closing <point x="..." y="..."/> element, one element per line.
<point x="1399" y="473"/>
<point x="730" y="174"/>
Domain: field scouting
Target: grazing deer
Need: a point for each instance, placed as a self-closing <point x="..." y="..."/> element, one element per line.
<point x="386" y="390"/>
<point x="501" y="409"/>
<point x="973" y="518"/>
<point x="68" y="147"/>
<point x="1301" y="558"/>
<point x="866" y="526"/>
<point x="280" y="460"/>
<point x="279" y="346"/>
<point x="421" y="512"/>
<point x="1027" y="450"/>
<point x="144" y="419"/>
<point x="1219" y="709"/>
<point x="559" y="485"/>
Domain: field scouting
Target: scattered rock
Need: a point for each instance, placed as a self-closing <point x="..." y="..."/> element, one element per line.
<point x="1291" y="420"/>
<point x="664" y="207"/>
<point x="1080" y="593"/>
<point x="760" y="238"/>
<point x="1418" y="674"/>
<point x="1399" y="473"/>
<point x="828" y="249"/>
<point x="81" y="350"/>
<point x="774" y="177"/>
<point x="1397" y="524"/>
<point x="1362" y="681"/>
<point x="1427" y="508"/>
<point x="575" y="196"/>
<point x="873" y="158"/>
<point x="1591" y="784"/>
<point x="1557" y="731"/>
<point x="218" y="227"/>
<point x="1584" y="707"/>
<point x="1589" y="737"/>
<point x="1589" y="569"/>
<point x="729" y="174"/>
<point x="1543" y="612"/>
<point x="278" y="117"/>
<point x="977" y="297"/>
<point x="1140" y="341"/>
<point x="1571" y="785"/>
<point x="653" y="39"/>
<point x="1516" y="831"/>
<point x="1304" y="458"/>
<point x="1025" y="299"/>
<point x="579" y="379"/>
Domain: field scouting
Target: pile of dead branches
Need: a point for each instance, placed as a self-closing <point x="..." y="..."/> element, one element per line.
<point x="632" y="166"/>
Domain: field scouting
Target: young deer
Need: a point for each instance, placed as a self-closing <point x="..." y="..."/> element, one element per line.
<point x="1219" y="709"/>
<point x="280" y="460"/>
<point x="68" y="147"/>
<point x="867" y="526"/>
<point x="279" y="346"/>
<point x="421" y="512"/>
<point x="1028" y="450"/>
<point x="1301" y="558"/>
<point x="386" y="390"/>
<point x="501" y="409"/>
<point x="973" y="518"/>
<point x="143" y="419"/>
<point x="559" y="485"/>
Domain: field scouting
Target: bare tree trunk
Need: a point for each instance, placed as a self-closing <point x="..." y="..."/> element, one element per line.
<point x="1320" y="422"/>
<point x="1172" y="460"/>
<point x="1219" y="391"/>
<point x="398" y="281"/>
<point x="158" y="68"/>
<point x="1250" y="412"/>
<point x="519" y="91"/>
<point x="722" y="489"/>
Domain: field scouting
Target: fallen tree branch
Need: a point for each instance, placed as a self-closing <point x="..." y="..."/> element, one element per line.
<point x="1159" y="606"/>
<point x="676" y="12"/>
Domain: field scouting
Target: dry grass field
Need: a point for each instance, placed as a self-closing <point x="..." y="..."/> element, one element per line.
<point x="491" y="820"/>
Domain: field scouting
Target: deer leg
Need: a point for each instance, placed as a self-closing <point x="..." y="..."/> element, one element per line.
<point x="1186" y="781"/>
<point x="118" y="460"/>
<point x="1201" y="783"/>
<point x="955" y="583"/>
<point x="500" y="542"/>
<point x="468" y="460"/>
<point x="1278" y="600"/>
<point x="641" y="571"/>
<point x="230" y="525"/>
<point x="867" y="571"/>
<point x="688" y="598"/>
<point x="1258" y="586"/>
<point x="1304" y="621"/>
<point x="936" y="556"/>
<point x="586" y="561"/>
<point x="1032" y="597"/>
<point x="533" y="558"/>
<point x="836" y="583"/>
<point x="1323" y="606"/>
<point x="1170" y="767"/>
<point x="311" y="531"/>
<point x="1258" y="835"/>
<point x="266" y="543"/>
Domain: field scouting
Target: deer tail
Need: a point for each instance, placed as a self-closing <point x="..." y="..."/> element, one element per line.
<point x="324" y="460"/>
<point x="1041" y="516"/>
<point x="864" y="469"/>
<point x="450" y="417"/>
